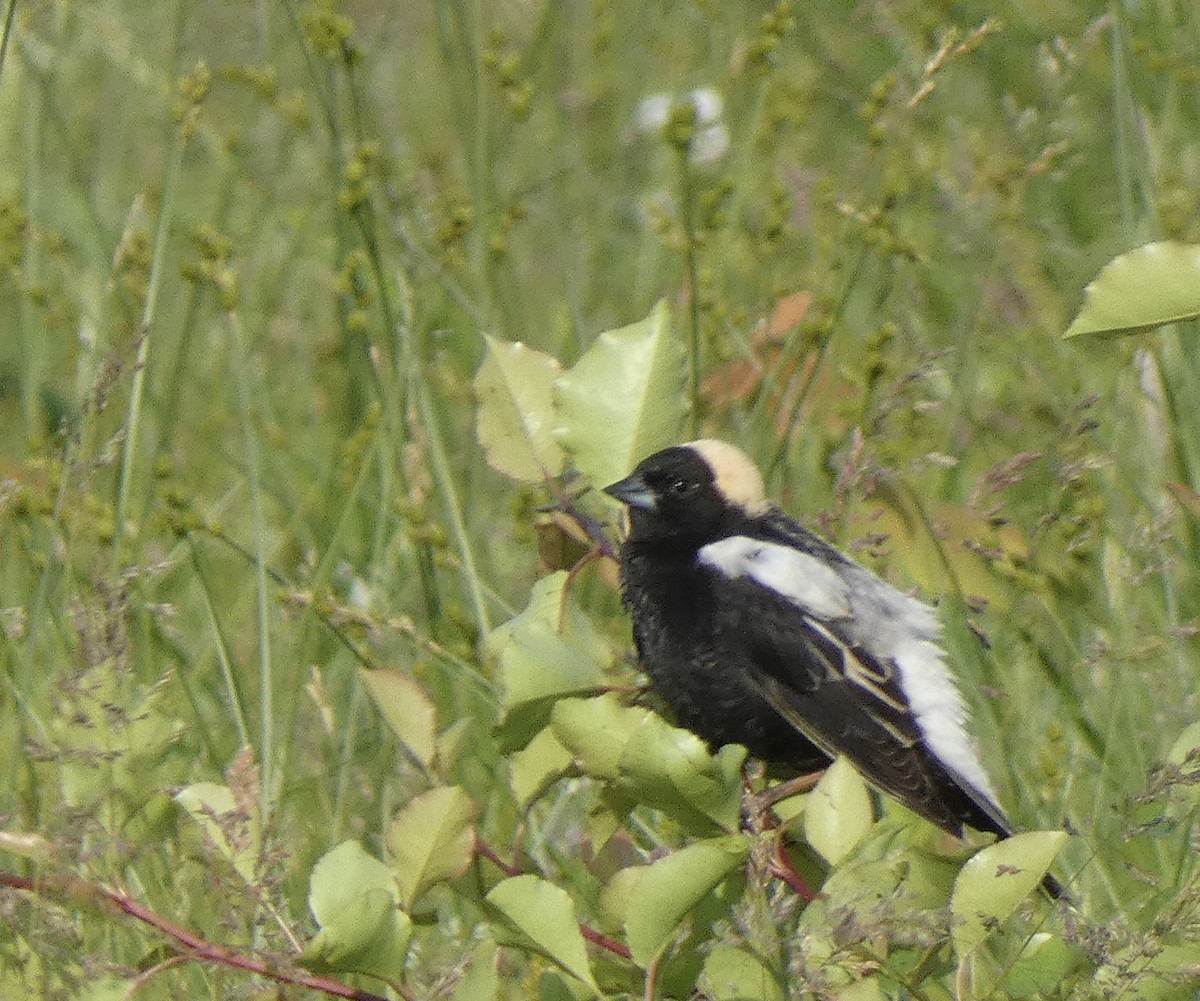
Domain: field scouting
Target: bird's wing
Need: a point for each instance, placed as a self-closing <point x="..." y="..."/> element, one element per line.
<point x="854" y="665"/>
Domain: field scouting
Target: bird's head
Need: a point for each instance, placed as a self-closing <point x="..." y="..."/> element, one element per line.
<point x="690" y="491"/>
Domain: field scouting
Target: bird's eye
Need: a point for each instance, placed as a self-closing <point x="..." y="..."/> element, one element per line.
<point x="680" y="487"/>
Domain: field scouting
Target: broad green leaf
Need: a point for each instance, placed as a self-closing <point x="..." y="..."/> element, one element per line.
<point x="516" y="419"/>
<point x="996" y="879"/>
<point x="596" y="731"/>
<point x="535" y="767"/>
<point x="235" y="834"/>
<point x="838" y="813"/>
<point x="674" y="885"/>
<point x="672" y="770"/>
<point x="431" y="840"/>
<point x="355" y="900"/>
<point x="608" y="813"/>
<point x="540" y="917"/>
<point x="867" y="989"/>
<point x="739" y="975"/>
<point x="1145" y="288"/>
<point x="1186" y="745"/>
<point x="553" y="985"/>
<point x="105" y="987"/>
<point x="680" y="967"/>
<point x="789" y="810"/>
<point x="549" y="650"/>
<point x="1043" y="965"/>
<point x="450" y="744"/>
<point x="624" y="399"/>
<point x="407" y="710"/>
<point x="481" y="981"/>
<point x="860" y="884"/>
<point x="619" y="898"/>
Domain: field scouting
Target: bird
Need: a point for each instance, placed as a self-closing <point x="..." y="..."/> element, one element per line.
<point x="755" y="631"/>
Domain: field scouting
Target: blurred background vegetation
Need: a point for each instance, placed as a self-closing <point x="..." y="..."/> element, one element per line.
<point x="248" y="257"/>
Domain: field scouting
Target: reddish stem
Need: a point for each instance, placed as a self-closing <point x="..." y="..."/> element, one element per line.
<point x="781" y="868"/>
<point x="484" y="849"/>
<point x="613" y="946"/>
<point x="196" y="948"/>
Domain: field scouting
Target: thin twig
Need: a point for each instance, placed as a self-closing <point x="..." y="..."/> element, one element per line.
<point x="483" y="849"/>
<point x="611" y="945"/>
<point x="191" y="945"/>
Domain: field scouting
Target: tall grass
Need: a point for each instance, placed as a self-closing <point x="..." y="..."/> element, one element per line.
<point x="249" y="256"/>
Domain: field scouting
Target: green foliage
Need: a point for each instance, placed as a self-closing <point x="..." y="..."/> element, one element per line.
<point x="354" y="899"/>
<point x="670" y="889"/>
<point x="539" y="917"/>
<point x="995" y="881"/>
<point x="234" y="829"/>
<point x="319" y="325"/>
<point x="1145" y="288"/>
<point x="431" y="840"/>
<point x="549" y="650"/>
<point x="516" y="422"/>
<point x="622" y="401"/>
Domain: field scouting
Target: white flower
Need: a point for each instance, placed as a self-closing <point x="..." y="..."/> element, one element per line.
<point x="708" y="104"/>
<point x="710" y="140"/>
<point x="710" y="144"/>
<point x="653" y="112"/>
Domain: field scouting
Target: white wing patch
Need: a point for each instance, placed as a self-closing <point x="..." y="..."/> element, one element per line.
<point x="801" y="579"/>
<point x="940" y="712"/>
<point x="874" y="616"/>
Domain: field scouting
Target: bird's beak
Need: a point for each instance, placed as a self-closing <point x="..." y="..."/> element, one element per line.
<point x="633" y="491"/>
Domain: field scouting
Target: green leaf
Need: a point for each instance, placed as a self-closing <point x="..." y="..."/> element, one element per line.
<point x="739" y="975"/>
<point x="236" y="834"/>
<point x="533" y="769"/>
<point x="625" y="398"/>
<point x="481" y="981"/>
<point x="1044" y="963"/>
<point x="838" y="813"/>
<point x="673" y="885"/>
<point x="672" y="770"/>
<point x="996" y="879"/>
<point x="619" y="897"/>
<point x="555" y="986"/>
<point x="450" y="744"/>
<point x="1186" y="745"/>
<point x="355" y="900"/>
<point x="516" y="419"/>
<point x="607" y="814"/>
<point x="431" y="840"/>
<point x="922" y="880"/>
<point x="105" y="987"/>
<point x="549" y="650"/>
<point x="1145" y="288"/>
<point x="596" y="731"/>
<point x="539" y="917"/>
<point x="407" y="710"/>
<point x="867" y="989"/>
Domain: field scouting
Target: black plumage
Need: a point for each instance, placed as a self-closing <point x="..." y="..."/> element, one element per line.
<point x="756" y="631"/>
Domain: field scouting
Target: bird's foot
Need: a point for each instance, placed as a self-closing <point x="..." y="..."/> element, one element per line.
<point x="757" y="812"/>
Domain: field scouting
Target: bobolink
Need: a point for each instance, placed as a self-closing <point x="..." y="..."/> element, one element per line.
<point x="757" y="632"/>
